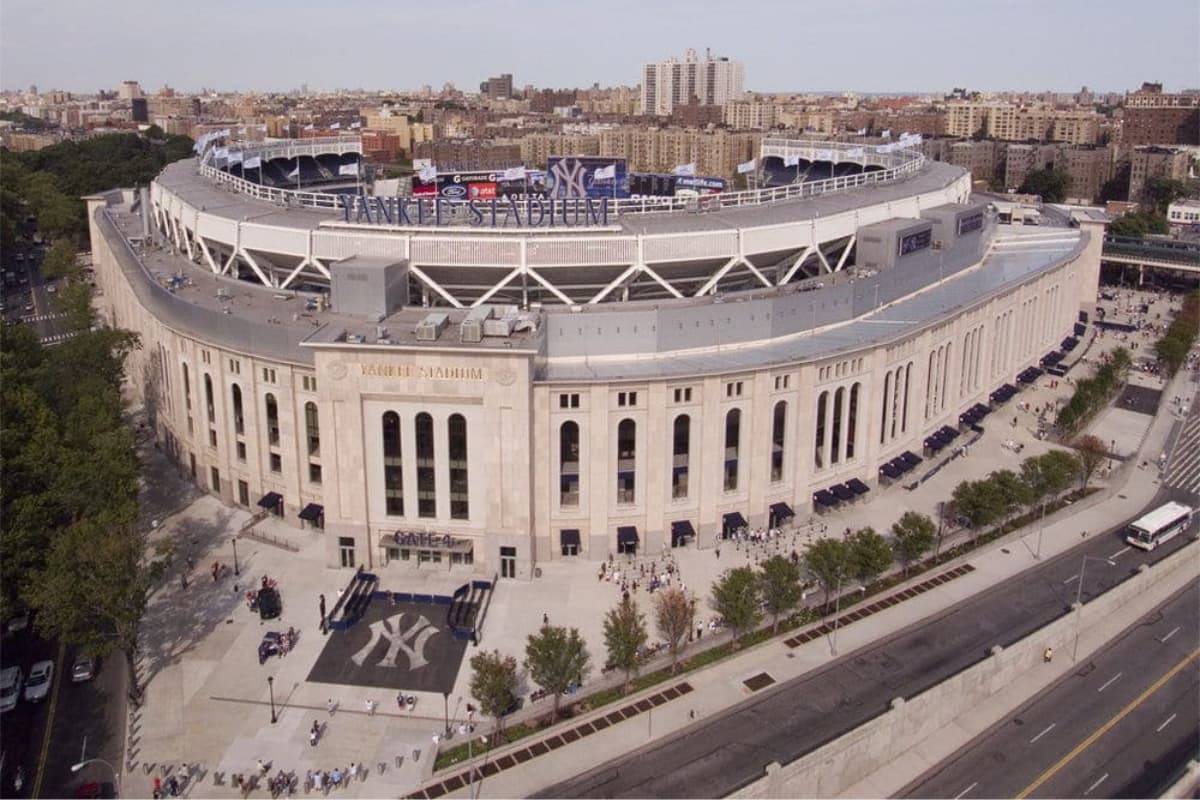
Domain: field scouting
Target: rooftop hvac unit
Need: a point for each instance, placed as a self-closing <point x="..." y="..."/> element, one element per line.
<point x="430" y="328"/>
<point x="474" y="325"/>
<point x="498" y="327"/>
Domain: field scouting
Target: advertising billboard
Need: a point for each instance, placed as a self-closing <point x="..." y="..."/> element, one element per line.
<point x="479" y="185"/>
<point x="575" y="176"/>
<point x="698" y="185"/>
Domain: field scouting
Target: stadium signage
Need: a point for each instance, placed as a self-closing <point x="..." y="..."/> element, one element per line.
<point x="508" y="212"/>
<point x="436" y="373"/>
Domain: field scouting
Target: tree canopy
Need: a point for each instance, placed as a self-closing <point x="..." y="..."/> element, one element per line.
<point x="914" y="533"/>
<point x="674" y="614"/>
<point x="624" y="636"/>
<point x="556" y="658"/>
<point x="494" y="684"/>
<point x="1050" y="184"/>
<point x="828" y="560"/>
<point x="779" y="585"/>
<point x="735" y="598"/>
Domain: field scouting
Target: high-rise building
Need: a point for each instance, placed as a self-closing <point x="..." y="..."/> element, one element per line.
<point x="139" y="110"/>
<point x="1088" y="168"/>
<point x="1022" y="159"/>
<point x="1146" y="163"/>
<point x="711" y="81"/>
<point x="1152" y="117"/>
<point x="129" y="90"/>
<point x="499" y="87"/>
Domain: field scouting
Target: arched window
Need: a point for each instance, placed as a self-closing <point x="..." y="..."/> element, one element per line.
<point x="852" y="422"/>
<point x="209" y="402"/>
<point x="393" y="477"/>
<point x="426" y="482"/>
<point x="835" y="439"/>
<point x="312" y="427"/>
<point x="733" y="436"/>
<point x="568" y="464"/>
<point x="778" y="432"/>
<point x="904" y="413"/>
<point x="681" y="456"/>
<point x="456" y="429"/>
<point x="626" y="461"/>
<point x="819" y="438"/>
<point x="272" y="420"/>
<point x="887" y="398"/>
<point x="239" y="420"/>
<point x="187" y="388"/>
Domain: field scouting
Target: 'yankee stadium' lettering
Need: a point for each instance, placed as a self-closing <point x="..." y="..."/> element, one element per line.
<point x="531" y="212"/>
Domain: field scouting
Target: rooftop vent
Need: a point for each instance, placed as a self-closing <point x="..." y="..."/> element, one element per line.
<point x="430" y="328"/>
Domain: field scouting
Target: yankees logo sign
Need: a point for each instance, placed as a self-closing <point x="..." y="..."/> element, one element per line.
<point x="411" y="642"/>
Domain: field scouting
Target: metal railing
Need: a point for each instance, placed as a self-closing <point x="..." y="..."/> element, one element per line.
<point x="896" y="165"/>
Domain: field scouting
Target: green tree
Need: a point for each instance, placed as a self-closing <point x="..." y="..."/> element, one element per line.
<point x="494" y="684"/>
<point x="1050" y="184"/>
<point x="779" y="585"/>
<point x="1059" y="469"/>
<point x="59" y="261"/>
<point x="674" y="615"/>
<point x="1091" y="453"/>
<point x="870" y="555"/>
<point x="1172" y="352"/>
<point x="979" y="501"/>
<point x="735" y="599"/>
<point x="75" y="300"/>
<point x="829" y="562"/>
<point x="914" y="534"/>
<point x="1161" y="191"/>
<point x="556" y="658"/>
<point x="624" y="636"/>
<point x="1015" y="494"/>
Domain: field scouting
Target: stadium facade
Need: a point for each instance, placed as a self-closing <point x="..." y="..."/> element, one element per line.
<point x="472" y="398"/>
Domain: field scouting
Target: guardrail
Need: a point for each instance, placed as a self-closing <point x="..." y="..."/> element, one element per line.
<point x="896" y="165"/>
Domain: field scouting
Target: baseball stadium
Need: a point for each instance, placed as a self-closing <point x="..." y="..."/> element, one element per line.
<point x="482" y="373"/>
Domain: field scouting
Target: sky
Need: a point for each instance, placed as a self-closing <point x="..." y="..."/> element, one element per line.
<point x="801" y="45"/>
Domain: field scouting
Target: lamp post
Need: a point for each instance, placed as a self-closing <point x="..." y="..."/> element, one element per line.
<point x="271" y="689"/>
<point x="236" y="571"/>
<point x="446" y="710"/>
<point x="1079" y="599"/>
<point x="116" y="775"/>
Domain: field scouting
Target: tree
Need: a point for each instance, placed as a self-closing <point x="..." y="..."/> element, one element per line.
<point x="1015" y="494"/>
<point x="59" y="261"/>
<point x="1091" y="453"/>
<point x="624" y="636"/>
<point x="979" y="501"/>
<point x="829" y="562"/>
<point x="674" y="615"/>
<point x="735" y="599"/>
<point x="779" y="585"/>
<point x="1058" y="468"/>
<point x="494" y="684"/>
<point x="556" y="658"/>
<point x="1161" y="191"/>
<point x="92" y="591"/>
<point x="914" y="533"/>
<point x="870" y="555"/>
<point x="75" y="300"/>
<point x="1172" y="352"/>
<point x="1050" y="184"/>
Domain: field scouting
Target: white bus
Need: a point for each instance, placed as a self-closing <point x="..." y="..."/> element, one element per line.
<point x="1159" y="525"/>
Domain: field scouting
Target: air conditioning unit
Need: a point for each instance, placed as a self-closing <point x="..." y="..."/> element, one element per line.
<point x="430" y="328"/>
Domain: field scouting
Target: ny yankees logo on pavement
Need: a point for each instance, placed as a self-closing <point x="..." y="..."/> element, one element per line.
<point x="419" y="632"/>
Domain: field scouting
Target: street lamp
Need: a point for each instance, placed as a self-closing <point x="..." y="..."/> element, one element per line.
<point x="116" y="775"/>
<point x="446" y="710"/>
<point x="236" y="571"/>
<point x="1079" y="599"/>
<point x="271" y="689"/>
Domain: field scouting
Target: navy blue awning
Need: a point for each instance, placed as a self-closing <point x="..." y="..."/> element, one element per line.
<point x="682" y="529"/>
<point x="569" y="536"/>
<point x="733" y="520"/>
<point x="889" y="471"/>
<point x="910" y="458"/>
<point x="824" y="498"/>
<point x="781" y="511"/>
<point x="857" y="486"/>
<point x="312" y="512"/>
<point x="842" y="492"/>
<point x="271" y="500"/>
<point x="627" y="534"/>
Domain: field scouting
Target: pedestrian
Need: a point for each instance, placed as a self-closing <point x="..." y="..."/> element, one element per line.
<point x="351" y="772"/>
<point x="1048" y="655"/>
<point x="370" y="707"/>
<point x="157" y="786"/>
<point x="262" y="768"/>
<point x="216" y="570"/>
<point x="545" y="619"/>
<point x="331" y="706"/>
<point x="321" y="605"/>
<point x="183" y="580"/>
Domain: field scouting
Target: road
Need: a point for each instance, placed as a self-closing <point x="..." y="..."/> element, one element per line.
<point x="31" y="301"/>
<point x="1120" y="726"/>
<point x="733" y="749"/>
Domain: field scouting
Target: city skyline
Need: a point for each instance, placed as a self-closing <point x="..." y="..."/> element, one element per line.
<point x="280" y="46"/>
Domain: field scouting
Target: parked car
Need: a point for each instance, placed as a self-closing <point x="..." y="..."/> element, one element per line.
<point x="84" y="669"/>
<point x="40" y="678"/>
<point x="10" y="688"/>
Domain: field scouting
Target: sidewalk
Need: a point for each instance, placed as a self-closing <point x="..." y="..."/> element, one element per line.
<point x="720" y="686"/>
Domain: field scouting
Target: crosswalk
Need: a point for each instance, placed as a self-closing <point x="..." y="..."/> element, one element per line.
<point x="58" y="338"/>
<point x="1183" y="470"/>
<point x="42" y="317"/>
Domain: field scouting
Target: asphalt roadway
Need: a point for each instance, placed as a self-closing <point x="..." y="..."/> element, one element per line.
<point x="731" y="750"/>
<point x="1120" y="726"/>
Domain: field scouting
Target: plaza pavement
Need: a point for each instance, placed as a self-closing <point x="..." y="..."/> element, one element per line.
<point x="207" y="698"/>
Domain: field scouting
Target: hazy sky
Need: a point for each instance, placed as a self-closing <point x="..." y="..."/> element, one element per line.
<point x="864" y="45"/>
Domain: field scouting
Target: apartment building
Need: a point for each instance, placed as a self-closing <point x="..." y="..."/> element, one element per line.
<point x="1152" y="117"/>
<point x="1146" y="163"/>
<point x="711" y="81"/>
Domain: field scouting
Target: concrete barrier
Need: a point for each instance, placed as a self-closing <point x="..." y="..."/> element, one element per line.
<point x="852" y="757"/>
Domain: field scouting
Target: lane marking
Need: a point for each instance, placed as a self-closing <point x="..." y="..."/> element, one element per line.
<point x="1103" y="778"/>
<point x="1072" y="578"/>
<point x="964" y="791"/>
<point x="1043" y="733"/>
<point x="1120" y="553"/>
<point x="1106" y="727"/>
<point x="41" y="765"/>
<point x="1166" y="722"/>
<point x="1110" y="681"/>
<point x="1174" y="631"/>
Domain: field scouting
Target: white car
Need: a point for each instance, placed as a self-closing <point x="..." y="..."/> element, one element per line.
<point x="10" y="688"/>
<point x="40" y="678"/>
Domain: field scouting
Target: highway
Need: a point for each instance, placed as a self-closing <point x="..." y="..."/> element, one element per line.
<point x="731" y="750"/>
<point x="1122" y="725"/>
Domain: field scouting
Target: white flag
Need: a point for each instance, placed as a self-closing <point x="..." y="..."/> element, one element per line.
<point x="221" y="152"/>
<point x="511" y="174"/>
<point x="887" y="134"/>
<point x="791" y="161"/>
<point x="235" y="158"/>
<point x="355" y="124"/>
<point x="422" y="163"/>
<point x="295" y="173"/>
<point x="862" y="131"/>
<point x="747" y="166"/>
<point x="262" y="128"/>
<point x="308" y="127"/>
<point x="686" y="170"/>
<point x="605" y="173"/>
<point x="253" y="162"/>
<point x="856" y="152"/>
<point x="335" y="126"/>
<point x="427" y="174"/>
<point x="348" y="169"/>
